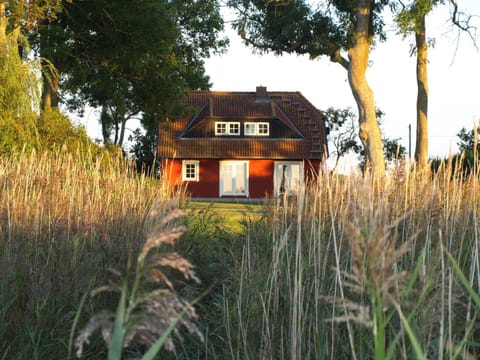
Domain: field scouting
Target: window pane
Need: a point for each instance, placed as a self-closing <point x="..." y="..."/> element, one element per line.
<point x="220" y="128"/>
<point x="250" y="129"/>
<point x="263" y="129"/>
<point x="294" y="178"/>
<point x="234" y="128"/>
<point x="240" y="178"/>
<point x="190" y="171"/>
<point x="227" y="179"/>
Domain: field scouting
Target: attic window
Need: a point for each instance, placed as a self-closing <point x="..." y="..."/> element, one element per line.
<point x="227" y="128"/>
<point x="257" y="129"/>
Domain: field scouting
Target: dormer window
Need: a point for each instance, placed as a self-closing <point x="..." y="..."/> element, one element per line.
<point x="233" y="128"/>
<point x="257" y="129"/>
<point x="263" y="129"/>
<point x="220" y="128"/>
<point x="250" y="129"/>
<point x="227" y="128"/>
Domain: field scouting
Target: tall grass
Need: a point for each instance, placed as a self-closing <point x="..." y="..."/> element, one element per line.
<point x="351" y="268"/>
<point x="65" y="222"/>
<point x="356" y="268"/>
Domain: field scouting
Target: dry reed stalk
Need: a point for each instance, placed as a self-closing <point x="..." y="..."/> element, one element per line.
<point x="64" y="220"/>
<point x="383" y="241"/>
<point x="150" y="312"/>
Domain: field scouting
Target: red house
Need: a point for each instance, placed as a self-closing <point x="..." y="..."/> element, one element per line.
<point x="243" y="144"/>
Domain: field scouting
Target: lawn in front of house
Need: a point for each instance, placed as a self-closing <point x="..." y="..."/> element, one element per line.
<point x="233" y="215"/>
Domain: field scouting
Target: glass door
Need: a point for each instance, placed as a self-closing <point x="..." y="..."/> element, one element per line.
<point x="288" y="177"/>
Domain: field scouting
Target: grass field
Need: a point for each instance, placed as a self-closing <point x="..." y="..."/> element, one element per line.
<point x="352" y="268"/>
<point x="233" y="215"/>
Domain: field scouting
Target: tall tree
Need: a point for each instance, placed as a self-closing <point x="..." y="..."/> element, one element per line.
<point x="17" y="20"/>
<point x="411" y="19"/>
<point x="342" y="30"/>
<point x="131" y="57"/>
<point x="19" y="95"/>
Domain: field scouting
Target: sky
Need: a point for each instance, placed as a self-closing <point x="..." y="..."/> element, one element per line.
<point x="454" y="79"/>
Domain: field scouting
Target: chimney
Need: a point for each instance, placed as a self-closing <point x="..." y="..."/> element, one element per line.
<point x="261" y="94"/>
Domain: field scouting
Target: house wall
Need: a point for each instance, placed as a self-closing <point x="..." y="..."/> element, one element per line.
<point x="206" y="187"/>
<point x="260" y="182"/>
<point x="260" y="177"/>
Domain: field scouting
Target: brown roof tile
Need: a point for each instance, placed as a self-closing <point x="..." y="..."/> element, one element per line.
<point x="291" y="108"/>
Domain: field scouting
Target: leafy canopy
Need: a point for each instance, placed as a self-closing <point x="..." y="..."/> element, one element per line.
<point x="296" y="26"/>
<point x="136" y="57"/>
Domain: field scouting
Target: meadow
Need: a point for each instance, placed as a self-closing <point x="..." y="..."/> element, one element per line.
<point x="351" y="268"/>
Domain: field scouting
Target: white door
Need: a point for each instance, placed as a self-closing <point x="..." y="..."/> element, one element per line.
<point x="288" y="177"/>
<point x="234" y="178"/>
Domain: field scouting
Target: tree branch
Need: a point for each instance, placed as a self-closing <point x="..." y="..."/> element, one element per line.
<point x="338" y="58"/>
<point x="462" y="21"/>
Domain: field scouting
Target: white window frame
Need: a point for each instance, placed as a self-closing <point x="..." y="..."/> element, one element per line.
<point x="196" y="165"/>
<point x="217" y="125"/>
<point x="256" y="129"/>
<point x="224" y="163"/>
<point x="229" y="125"/>
<point x="230" y="128"/>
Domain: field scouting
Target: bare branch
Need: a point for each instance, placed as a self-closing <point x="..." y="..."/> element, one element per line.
<point x="463" y="22"/>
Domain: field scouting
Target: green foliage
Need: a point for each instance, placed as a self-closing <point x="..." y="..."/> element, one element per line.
<point x="143" y="150"/>
<point x="135" y="58"/>
<point x="17" y="134"/>
<point x="55" y="131"/>
<point x="28" y="14"/>
<point x="393" y="149"/>
<point x="19" y="96"/>
<point x="412" y="14"/>
<point x="299" y="27"/>
<point x="467" y="139"/>
<point x="469" y="149"/>
<point x="288" y="26"/>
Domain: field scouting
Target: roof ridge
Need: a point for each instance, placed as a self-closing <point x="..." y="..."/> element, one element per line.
<point x="241" y="92"/>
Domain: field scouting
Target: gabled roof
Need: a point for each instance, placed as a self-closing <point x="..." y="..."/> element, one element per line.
<point x="297" y="129"/>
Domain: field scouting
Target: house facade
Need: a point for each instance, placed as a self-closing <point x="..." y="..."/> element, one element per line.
<point x="243" y="144"/>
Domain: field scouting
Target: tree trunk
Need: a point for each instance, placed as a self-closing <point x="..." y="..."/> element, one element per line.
<point x="421" y="148"/>
<point x="123" y="126"/>
<point x="358" y="54"/>
<point x="50" y="75"/>
<point x="49" y="91"/>
<point x="105" y="122"/>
